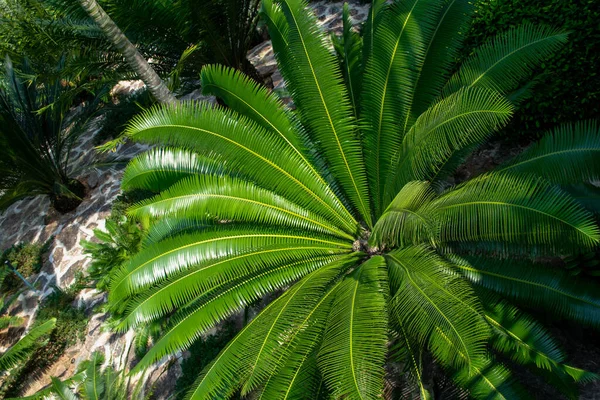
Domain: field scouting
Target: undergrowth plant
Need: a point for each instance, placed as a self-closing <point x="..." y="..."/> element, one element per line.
<point x="344" y="203"/>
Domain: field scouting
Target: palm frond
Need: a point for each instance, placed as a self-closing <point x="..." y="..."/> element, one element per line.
<point x="569" y="154"/>
<point x="20" y="350"/>
<point x="348" y="48"/>
<point x="370" y="26"/>
<point x="435" y="306"/>
<point x="410" y="353"/>
<point x="535" y="286"/>
<point x="232" y="366"/>
<point x="586" y="194"/>
<point x="231" y="199"/>
<point x="205" y="248"/>
<point x="352" y="355"/>
<point x="523" y="210"/>
<point x="403" y="221"/>
<point x="525" y="341"/>
<point x="441" y="49"/>
<point x="160" y="168"/>
<point x="465" y="118"/>
<point x="324" y="108"/>
<point x="389" y="78"/>
<point x="263" y="155"/>
<point x="504" y="61"/>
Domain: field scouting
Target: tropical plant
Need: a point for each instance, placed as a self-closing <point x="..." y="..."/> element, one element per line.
<point x="91" y="382"/>
<point x="36" y="138"/>
<point x="345" y="204"/>
<point x="21" y="350"/>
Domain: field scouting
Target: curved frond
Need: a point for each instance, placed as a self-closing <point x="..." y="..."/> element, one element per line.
<point x="159" y="261"/>
<point x="232" y="199"/>
<point x="504" y="61"/>
<point x="525" y="341"/>
<point x="160" y="168"/>
<point x="434" y="305"/>
<point x="263" y="155"/>
<point x="488" y="379"/>
<point x="232" y="365"/>
<point x="463" y="119"/>
<point x="403" y="222"/>
<point x="348" y="48"/>
<point x="389" y="76"/>
<point x="568" y="155"/>
<point x="522" y="210"/>
<point x="318" y="91"/>
<point x="352" y="355"/>
<point x="20" y="350"/>
<point x="535" y="286"/>
<point x="586" y="194"/>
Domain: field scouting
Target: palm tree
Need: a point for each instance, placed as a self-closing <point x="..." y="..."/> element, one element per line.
<point x="133" y="57"/>
<point x="345" y="204"/>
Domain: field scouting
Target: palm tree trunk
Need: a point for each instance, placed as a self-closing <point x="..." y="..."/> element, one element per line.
<point x="133" y="57"/>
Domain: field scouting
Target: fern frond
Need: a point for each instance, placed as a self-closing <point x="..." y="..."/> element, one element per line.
<point x="535" y="286"/>
<point x="427" y="296"/>
<point x="352" y="355"/>
<point x="504" y="61"/>
<point x="523" y="210"/>
<point x="570" y="154"/>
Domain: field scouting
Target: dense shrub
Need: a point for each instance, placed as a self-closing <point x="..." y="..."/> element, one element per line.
<point x="27" y="258"/>
<point x="569" y="87"/>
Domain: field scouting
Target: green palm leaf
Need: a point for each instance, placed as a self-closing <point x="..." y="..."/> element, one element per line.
<point x="535" y="286"/>
<point x="434" y="305"/>
<point x="404" y="221"/>
<point x="570" y="154"/>
<point x="388" y="80"/>
<point x="503" y="62"/>
<point x="231" y="199"/>
<point x="21" y="350"/>
<point x="463" y="119"/>
<point x="160" y="168"/>
<point x="228" y="369"/>
<point x="179" y="253"/>
<point x="348" y="48"/>
<point x="263" y="155"/>
<point x="522" y="210"/>
<point x="352" y="355"/>
<point x="317" y="89"/>
<point x="525" y="341"/>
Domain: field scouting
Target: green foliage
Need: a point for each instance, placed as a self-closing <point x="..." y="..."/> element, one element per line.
<point x="111" y="248"/>
<point x="338" y="206"/>
<point x="37" y="136"/>
<point x="92" y="382"/>
<point x="27" y="258"/>
<point x="69" y="328"/>
<point x="202" y="353"/>
<point x="568" y="88"/>
<point x="20" y="351"/>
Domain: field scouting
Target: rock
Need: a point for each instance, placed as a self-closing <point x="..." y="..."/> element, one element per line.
<point x="93" y="179"/>
<point x="69" y="236"/>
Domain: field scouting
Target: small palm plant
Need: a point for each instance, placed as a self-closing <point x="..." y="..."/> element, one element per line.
<point x="344" y="204"/>
<point x="36" y="139"/>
